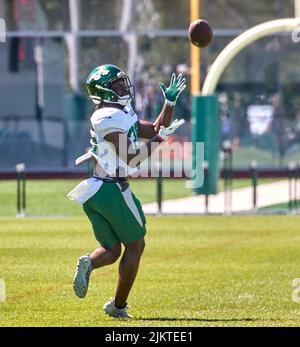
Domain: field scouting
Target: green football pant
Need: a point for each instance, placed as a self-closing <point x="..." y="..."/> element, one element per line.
<point x="115" y="216"/>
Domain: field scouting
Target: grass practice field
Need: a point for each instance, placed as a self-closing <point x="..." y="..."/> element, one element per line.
<point x="196" y="271"/>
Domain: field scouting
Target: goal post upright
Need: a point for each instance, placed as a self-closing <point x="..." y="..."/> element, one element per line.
<point x="195" y="51"/>
<point x="297" y="8"/>
<point x="205" y="120"/>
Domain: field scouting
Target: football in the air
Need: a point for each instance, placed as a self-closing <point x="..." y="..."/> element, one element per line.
<point x="200" y="33"/>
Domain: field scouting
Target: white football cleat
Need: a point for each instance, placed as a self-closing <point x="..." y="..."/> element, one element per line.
<point x="82" y="276"/>
<point x="111" y="309"/>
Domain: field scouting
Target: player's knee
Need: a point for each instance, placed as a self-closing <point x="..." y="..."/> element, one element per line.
<point x="115" y="252"/>
<point x="139" y="247"/>
<point x="136" y="248"/>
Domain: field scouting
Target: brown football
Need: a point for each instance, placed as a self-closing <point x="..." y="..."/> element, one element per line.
<point x="200" y="33"/>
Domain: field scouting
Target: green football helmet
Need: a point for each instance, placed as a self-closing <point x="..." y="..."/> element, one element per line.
<point x="110" y="84"/>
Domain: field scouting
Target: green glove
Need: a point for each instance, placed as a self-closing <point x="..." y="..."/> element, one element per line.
<point x="177" y="85"/>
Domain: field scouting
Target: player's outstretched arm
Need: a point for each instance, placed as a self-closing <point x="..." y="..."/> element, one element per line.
<point x="125" y="151"/>
<point x="171" y="93"/>
<point x="133" y="157"/>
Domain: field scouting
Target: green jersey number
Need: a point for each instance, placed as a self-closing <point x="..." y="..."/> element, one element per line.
<point x="132" y="132"/>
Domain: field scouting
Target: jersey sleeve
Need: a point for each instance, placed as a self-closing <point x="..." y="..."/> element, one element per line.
<point x="108" y="122"/>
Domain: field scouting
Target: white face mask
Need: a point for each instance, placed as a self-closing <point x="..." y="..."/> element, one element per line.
<point x="124" y="100"/>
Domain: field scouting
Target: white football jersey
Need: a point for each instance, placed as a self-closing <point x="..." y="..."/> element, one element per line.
<point x="107" y="120"/>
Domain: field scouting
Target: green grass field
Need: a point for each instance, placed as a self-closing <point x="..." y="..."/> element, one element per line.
<point x="196" y="271"/>
<point x="48" y="197"/>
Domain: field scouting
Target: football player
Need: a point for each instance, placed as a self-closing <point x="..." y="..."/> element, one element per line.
<point x="115" y="213"/>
